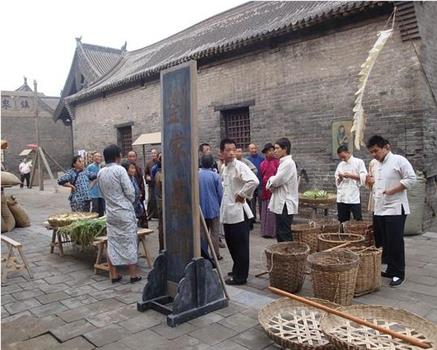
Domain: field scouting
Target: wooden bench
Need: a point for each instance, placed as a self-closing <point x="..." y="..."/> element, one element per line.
<point x="101" y="244"/>
<point x="57" y="239"/>
<point x="10" y="263"/>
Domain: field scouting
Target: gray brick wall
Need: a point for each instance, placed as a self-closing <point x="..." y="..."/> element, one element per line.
<point x="299" y="88"/>
<point x="20" y="131"/>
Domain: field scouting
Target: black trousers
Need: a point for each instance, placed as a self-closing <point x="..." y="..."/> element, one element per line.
<point x="283" y="225"/>
<point x="25" y="177"/>
<point x="389" y="234"/>
<point x="98" y="206"/>
<point x="344" y="211"/>
<point x="237" y="239"/>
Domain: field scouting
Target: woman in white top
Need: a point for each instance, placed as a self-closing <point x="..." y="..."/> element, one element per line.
<point x="284" y="187"/>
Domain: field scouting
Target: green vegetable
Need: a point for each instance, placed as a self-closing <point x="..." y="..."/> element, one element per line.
<point x="315" y="194"/>
<point x="84" y="232"/>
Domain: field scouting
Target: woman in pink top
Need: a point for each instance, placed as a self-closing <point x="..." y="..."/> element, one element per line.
<point x="268" y="168"/>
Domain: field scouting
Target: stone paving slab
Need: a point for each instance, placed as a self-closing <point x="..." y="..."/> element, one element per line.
<point x="67" y="306"/>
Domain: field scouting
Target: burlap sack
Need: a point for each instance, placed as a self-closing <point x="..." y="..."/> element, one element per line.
<point x="4" y="228"/>
<point x="9" y="179"/>
<point x="7" y="216"/>
<point x="21" y="217"/>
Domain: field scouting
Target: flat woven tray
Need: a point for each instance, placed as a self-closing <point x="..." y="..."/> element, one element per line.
<point x="311" y="202"/>
<point x="345" y="334"/>
<point x="294" y="325"/>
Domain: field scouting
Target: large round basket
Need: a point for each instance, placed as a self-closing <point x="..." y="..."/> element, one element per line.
<point x="293" y="325"/>
<point x="364" y="228"/>
<point x="328" y="225"/>
<point x="334" y="275"/>
<point x="306" y="233"/>
<point x="345" y="334"/>
<point x="369" y="269"/>
<point x="60" y="220"/>
<point x="286" y="265"/>
<point x="331" y="240"/>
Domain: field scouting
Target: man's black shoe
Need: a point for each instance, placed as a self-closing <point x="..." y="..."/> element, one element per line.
<point x="396" y="282"/>
<point x="386" y="274"/>
<point x="232" y="282"/>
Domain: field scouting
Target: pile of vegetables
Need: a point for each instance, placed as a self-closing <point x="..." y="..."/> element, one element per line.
<point x="85" y="231"/>
<point x="60" y="220"/>
<point x="314" y="194"/>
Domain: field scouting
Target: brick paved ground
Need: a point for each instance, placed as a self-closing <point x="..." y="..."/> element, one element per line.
<point x="67" y="306"/>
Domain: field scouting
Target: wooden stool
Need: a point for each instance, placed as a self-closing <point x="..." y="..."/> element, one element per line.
<point x="9" y="263"/>
<point x="57" y="240"/>
<point x="102" y="243"/>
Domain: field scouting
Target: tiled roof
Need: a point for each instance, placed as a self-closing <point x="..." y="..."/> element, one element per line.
<point x="235" y="28"/>
<point x="95" y="61"/>
<point x="92" y="62"/>
<point x="24" y="87"/>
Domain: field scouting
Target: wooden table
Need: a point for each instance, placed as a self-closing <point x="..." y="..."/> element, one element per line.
<point x="57" y="239"/>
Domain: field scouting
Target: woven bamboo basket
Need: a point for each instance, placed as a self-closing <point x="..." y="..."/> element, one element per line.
<point x="287" y="265"/>
<point x="306" y="233"/>
<point x="334" y="275"/>
<point x="364" y="228"/>
<point x="345" y="334"/>
<point x="369" y="269"/>
<point x="330" y="199"/>
<point x="328" y="225"/>
<point x="331" y="240"/>
<point x="293" y="325"/>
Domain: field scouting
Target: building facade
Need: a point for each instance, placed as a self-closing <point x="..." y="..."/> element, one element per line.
<point x="273" y="69"/>
<point x="18" y="115"/>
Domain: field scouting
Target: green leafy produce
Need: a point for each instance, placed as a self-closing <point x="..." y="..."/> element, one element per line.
<point x="316" y="194"/>
<point x="84" y="232"/>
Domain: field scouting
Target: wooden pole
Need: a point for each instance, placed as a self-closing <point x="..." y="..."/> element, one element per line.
<point x="406" y="338"/>
<point x="208" y="236"/>
<point x="54" y="161"/>
<point x="46" y="163"/>
<point x="38" y="141"/>
<point x="34" y="165"/>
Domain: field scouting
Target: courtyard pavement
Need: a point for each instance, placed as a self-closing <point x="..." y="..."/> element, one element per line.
<point x="67" y="306"/>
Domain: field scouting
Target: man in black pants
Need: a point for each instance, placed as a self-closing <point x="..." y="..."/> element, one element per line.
<point x="349" y="176"/>
<point x="239" y="183"/>
<point x="393" y="176"/>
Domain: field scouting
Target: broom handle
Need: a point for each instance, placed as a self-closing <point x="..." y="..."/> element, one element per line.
<point x="410" y="340"/>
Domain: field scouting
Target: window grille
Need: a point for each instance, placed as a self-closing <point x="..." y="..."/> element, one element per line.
<point x="237" y="126"/>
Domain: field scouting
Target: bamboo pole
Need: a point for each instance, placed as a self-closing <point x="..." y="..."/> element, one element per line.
<point x="406" y="338"/>
<point x="208" y="236"/>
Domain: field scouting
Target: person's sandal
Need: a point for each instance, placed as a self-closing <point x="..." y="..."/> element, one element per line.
<point x="135" y="279"/>
<point x="118" y="279"/>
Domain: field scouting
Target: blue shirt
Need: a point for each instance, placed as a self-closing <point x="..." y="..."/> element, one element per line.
<point x="94" y="186"/>
<point x="210" y="193"/>
<point x="257" y="160"/>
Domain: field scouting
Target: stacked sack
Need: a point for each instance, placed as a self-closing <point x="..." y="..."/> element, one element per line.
<point x="13" y="215"/>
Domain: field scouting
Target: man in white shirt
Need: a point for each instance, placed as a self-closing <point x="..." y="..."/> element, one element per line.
<point x="239" y="183"/>
<point x="284" y="187"/>
<point x="394" y="175"/>
<point x="24" y="169"/>
<point x="349" y="176"/>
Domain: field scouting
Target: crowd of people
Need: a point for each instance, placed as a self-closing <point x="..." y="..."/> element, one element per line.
<point x="234" y="190"/>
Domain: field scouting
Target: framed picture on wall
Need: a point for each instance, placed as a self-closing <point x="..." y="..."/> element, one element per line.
<point x="341" y="135"/>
